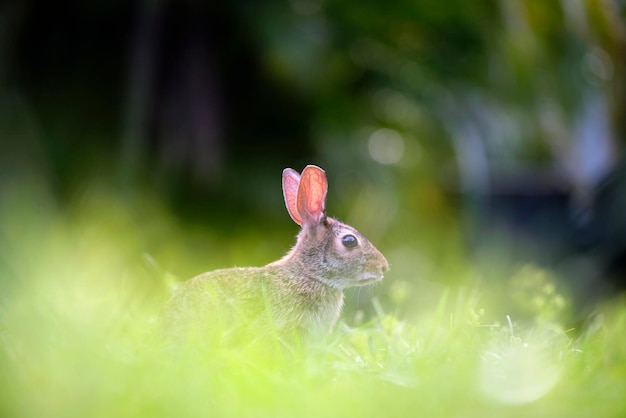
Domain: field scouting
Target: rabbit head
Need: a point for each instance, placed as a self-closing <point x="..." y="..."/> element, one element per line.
<point x="326" y="250"/>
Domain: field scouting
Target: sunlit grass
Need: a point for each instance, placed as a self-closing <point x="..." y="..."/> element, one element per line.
<point x="81" y="293"/>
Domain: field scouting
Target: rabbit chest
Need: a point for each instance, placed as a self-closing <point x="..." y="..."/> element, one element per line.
<point x="303" y="304"/>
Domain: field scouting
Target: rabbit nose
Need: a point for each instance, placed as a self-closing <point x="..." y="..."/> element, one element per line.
<point x="383" y="268"/>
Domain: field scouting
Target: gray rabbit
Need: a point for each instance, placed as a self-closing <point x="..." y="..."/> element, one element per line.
<point x="298" y="296"/>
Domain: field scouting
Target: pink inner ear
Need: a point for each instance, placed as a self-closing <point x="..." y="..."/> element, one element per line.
<point x="311" y="200"/>
<point x="291" y="180"/>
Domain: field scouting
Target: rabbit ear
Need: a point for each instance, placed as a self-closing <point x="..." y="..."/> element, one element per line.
<point x="311" y="200"/>
<point x="291" y="180"/>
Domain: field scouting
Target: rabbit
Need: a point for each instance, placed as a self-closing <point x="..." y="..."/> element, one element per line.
<point x="298" y="296"/>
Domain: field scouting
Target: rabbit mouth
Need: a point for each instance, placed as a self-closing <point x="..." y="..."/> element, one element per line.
<point x="368" y="278"/>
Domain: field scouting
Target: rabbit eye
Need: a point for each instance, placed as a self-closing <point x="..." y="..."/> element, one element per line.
<point x="349" y="241"/>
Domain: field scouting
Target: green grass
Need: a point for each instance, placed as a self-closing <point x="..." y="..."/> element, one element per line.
<point x="79" y="337"/>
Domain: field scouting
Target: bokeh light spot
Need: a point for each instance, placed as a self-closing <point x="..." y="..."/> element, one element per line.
<point x="386" y="146"/>
<point x="518" y="374"/>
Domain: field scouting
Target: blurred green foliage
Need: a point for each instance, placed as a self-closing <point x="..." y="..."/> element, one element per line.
<point x="80" y="337"/>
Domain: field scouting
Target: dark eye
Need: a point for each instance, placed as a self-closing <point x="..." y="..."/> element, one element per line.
<point x="349" y="241"/>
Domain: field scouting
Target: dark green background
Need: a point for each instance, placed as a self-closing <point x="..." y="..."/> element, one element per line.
<point x="509" y="114"/>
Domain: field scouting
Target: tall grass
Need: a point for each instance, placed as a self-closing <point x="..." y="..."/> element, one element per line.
<point x="81" y="292"/>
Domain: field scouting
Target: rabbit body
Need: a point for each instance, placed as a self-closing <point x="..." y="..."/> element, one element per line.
<point x="297" y="296"/>
<point x="249" y="302"/>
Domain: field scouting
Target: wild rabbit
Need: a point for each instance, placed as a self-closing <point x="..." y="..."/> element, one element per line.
<point x="299" y="295"/>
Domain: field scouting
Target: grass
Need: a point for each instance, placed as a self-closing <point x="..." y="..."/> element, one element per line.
<point x="80" y="337"/>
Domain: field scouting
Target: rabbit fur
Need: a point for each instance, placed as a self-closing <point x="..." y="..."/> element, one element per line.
<point x="299" y="295"/>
